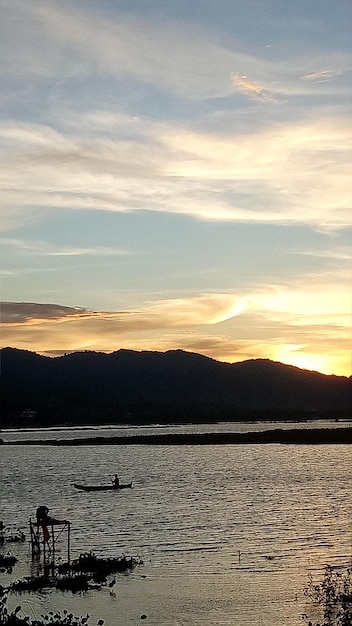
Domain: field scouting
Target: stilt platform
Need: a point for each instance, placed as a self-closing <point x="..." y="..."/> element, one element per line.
<point x="45" y="538"/>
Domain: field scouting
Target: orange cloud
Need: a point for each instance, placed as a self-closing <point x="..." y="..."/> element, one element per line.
<point x="250" y="88"/>
<point x="49" y="326"/>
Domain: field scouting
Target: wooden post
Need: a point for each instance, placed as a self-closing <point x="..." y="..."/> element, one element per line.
<point x="69" y="543"/>
<point x="35" y="539"/>
<point x="53" y="542"/>
<point x="31" y="535"/>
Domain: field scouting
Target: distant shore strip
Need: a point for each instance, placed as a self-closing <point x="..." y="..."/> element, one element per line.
<point x="296" y="436"/>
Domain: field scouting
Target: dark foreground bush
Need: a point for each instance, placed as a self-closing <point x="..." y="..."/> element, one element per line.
<point x="334" y="596"/>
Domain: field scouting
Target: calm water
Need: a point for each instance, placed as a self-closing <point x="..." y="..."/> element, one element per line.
<point x="227" y="534"/>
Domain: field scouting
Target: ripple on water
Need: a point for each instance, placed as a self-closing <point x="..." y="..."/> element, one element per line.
<point x="225" y="533"/>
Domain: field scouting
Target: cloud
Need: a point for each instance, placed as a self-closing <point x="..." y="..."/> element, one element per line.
<point x="251" y="89"/>
<point x="62" y="324"/>
<point x="322" y="76"/>
<point x="207" y="309"/>
<point x="71" y="43"/>
<point x="33" y="313"/>
<point x="55" y="329"/>
<point x="339" y="254"/>
<point x="290" y="173"/>
<point x="59" y="42"/>
<point x="42" y="248"/>
<point x="301" y="305"/>
<point x="107" y="160"/>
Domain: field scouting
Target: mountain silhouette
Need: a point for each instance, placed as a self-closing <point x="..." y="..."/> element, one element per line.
<point x="126" y="387"/>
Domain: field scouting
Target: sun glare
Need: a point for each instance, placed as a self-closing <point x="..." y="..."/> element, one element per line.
<point x="295" y="355"/>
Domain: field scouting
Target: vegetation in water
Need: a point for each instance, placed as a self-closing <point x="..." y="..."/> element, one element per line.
<point x="86" y="572"/>
<point x="9" y="535"/>
<point x="37" y="584"/>
<point x="17" y="617"/>
<point x="7" y="562"/>
<point x="80" y="575"/>
<point x="99" y="568"/>
<point x="333" y="596"/>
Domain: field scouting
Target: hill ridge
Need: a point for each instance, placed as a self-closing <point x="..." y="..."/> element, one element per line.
<point x="128" y="386"/>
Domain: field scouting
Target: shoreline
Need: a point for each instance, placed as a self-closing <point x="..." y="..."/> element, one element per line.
<point x="318" y="436"/>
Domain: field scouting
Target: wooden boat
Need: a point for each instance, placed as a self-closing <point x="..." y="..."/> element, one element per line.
<point x="102" y="487"/>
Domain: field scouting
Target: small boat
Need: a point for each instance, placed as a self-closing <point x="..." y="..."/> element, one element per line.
<point x="102" y="487"/>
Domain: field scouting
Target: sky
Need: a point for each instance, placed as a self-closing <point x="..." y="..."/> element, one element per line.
<point x="176" y="174"/>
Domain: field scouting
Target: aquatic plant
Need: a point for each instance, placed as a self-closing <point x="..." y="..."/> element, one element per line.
<point x="17" y="537"/>
<point x="333" y="596"/>
<point x="32" y="583"/>
<point x="73" y="583"/>
<point x="39" y="583"/>
<point x="7" y="562"/>
<point x="98" y="568"/>
<point x="17" y="618"/>
<point x="10" y="535"/>
<point x="80" y="575"/>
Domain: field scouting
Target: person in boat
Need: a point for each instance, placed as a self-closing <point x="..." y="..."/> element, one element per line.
<point x="116" y="482"/>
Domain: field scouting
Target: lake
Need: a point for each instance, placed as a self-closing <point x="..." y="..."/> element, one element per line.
<point x="227" y="534"/>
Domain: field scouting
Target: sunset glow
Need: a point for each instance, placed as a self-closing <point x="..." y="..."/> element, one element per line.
<point x="177" y="178"/>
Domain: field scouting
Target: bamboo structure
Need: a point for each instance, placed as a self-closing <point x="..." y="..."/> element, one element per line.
<point x="45" y="536"/>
